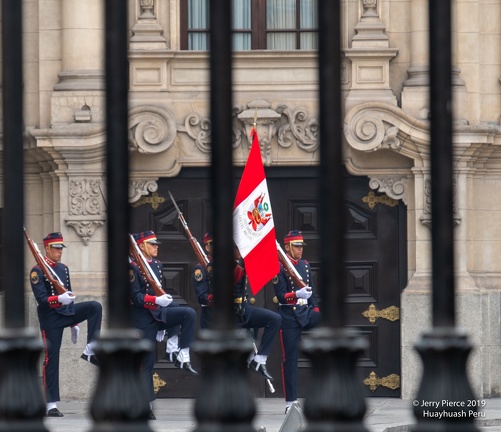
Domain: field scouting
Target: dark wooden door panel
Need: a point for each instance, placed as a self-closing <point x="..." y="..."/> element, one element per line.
<point x="375" y="267"/>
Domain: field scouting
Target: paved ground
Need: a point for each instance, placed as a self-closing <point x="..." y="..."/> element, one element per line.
<point x="175" y="415"/>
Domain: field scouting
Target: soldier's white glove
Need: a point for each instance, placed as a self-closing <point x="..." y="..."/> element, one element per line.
<point x="304" y="293"/>
<point x="164" y="300"/>
<point x="66" y="298"/>
<point x="160" y="335"/>
<point x="75" y="331"/>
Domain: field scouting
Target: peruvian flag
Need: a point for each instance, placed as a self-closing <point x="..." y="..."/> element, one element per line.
<point x="253" y="227"/>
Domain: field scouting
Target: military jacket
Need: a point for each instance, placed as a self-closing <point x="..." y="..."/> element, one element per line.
<point x="285" y="289"/>
<point x="142" y="295"/>
<point x="45" y="292"/>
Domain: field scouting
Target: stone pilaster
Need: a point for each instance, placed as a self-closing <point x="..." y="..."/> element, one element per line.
<point x="370" y="56"/>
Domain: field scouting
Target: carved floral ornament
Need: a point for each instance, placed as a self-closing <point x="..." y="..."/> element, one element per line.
<point x="153" y="130"/>
<point x="86" y="206"/>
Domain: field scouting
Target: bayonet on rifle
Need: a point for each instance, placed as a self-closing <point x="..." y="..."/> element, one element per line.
<point x="199" y="252"/>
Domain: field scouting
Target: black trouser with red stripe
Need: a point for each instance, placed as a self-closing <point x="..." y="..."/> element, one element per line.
<point x="290" y="335"/>
<point x="258" y="317"/>
<point x="172" y="316"/>
<point x="52" y="325"/>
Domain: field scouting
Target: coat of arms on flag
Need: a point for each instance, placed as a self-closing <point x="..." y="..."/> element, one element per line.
<point x="253" y="226"/>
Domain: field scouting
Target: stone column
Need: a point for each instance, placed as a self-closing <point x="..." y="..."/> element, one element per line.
<point x="82" y="45"/>
<point x="415" y="92"/>
<point x="416" y="87"/>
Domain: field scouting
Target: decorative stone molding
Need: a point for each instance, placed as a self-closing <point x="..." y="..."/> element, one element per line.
<point x="373" y="126"/>
<point x="147" y="34"/>
<point x="85" y="228"/>
<point x="199" y="129"/>
<point x="141" y="187"/>
<point x="425" y="218"/>
<point x="151" y="129"/>
<point x="288" y="126"/>
<point x="370" y="55"/>
<point x="369" y="132"/>
<point x="394" y="187"/>
<point x="259" y="112"/>
<point x="86" y="206"/>
<point x="300" y="129"/>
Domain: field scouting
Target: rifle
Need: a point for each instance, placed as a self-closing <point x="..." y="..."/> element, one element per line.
<point x="199" y="252"/>
<point x="49" y="273"/>
<point x="284" y="259"/>
<point x="138" y="256"/>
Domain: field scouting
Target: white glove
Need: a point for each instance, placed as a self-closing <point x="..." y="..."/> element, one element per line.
<point x="66" y="298"/>
<point x="160" y="335"/>
<point x="304" y="293"/>
<point x="164" y="300"/>
<point x="75" y="331"/>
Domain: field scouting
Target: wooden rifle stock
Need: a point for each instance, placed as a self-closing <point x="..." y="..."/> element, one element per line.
<point x="51" y="276"/>
<point x="199" y="252"/>
<point x="284" y="259"/>
<point x="139" y="258"/>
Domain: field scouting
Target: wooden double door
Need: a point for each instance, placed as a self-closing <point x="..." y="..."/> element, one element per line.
<point x="375" y="267"/>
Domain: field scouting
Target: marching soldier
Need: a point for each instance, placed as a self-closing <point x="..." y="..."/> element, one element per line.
<point x="298" y="308"/>
<point x="247" y="316"/>
<point x="58" y="311"/>
<point x="153" y="314"/>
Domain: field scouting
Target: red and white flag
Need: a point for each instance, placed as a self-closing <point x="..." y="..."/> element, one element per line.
<point x="253" y="227"/>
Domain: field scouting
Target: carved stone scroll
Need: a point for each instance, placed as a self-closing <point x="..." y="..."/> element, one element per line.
<point x="394" y="187"/>
<point x="151" y="129"/>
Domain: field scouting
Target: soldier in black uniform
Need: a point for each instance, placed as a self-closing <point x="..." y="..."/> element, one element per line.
<point x="247" y="316"/>
<point x="202" y="283"/>
<point x="58" y="311"/>
<point x="151" y="313"/>
<point x="298" y="308"/>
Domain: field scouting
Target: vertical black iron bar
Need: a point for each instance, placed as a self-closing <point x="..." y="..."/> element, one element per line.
<point x="22" y="404"/>
<point x="444" y="350"/>
<point x="441" y="165"/>
<point x="331" y="184"/>
<point x="222" y="194"/>
<point x="225" y="402"/>
<point x="334" y="400"/>
<point x="120" y="402"/>
<point x="13" y="261"/>
<point x="117" y="162"/>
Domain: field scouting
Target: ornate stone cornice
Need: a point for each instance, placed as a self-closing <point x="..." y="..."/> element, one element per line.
<point x="425" y="218"/>
<point x="287" y="127"/>
<point x="374" y="126"/>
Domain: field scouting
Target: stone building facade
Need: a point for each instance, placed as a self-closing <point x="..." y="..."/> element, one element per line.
<point x="386" y="130"/>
